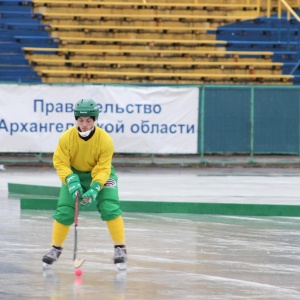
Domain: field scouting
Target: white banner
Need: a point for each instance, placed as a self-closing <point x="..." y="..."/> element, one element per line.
<point x="139" y="119"/>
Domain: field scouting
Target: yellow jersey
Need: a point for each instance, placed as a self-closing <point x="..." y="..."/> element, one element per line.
<point x="93" y="155"/>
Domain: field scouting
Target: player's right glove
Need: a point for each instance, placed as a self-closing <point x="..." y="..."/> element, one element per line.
<point x="91" y="194"/>
<point x="73" y="183"/>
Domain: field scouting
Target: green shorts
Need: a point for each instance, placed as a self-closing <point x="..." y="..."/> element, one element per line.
<point x="107" y="201"/>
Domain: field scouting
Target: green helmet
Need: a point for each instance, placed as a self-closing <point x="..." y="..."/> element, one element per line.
<point x="86" y="108"/>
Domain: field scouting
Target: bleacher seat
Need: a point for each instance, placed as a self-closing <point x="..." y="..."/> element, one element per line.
<point x="13" y="59"/>
<point x="15" y="6"/>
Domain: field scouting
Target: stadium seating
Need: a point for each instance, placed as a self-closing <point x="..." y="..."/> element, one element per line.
<point x="151" y="41"/>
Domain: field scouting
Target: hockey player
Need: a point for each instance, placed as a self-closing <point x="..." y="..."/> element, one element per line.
<point x="83" y="161"/>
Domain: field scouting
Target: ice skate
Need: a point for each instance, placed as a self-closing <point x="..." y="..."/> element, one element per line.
<point x="120" y="258"/>
<point x="51" y="256"/>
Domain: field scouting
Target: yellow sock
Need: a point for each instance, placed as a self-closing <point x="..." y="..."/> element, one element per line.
<point x="59" y="234"/>
<point x="116" y="230"/>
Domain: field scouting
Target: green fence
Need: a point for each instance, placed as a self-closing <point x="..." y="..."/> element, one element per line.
<point x="237" y="125"/>
<point x="253" y="120"/>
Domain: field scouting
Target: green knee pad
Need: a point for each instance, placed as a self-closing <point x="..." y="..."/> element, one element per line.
<point x="109" y="209"/>
<point x="64" y="215"/>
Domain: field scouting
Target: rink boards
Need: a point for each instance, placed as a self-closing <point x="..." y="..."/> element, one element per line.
<point x="36" y="197"/>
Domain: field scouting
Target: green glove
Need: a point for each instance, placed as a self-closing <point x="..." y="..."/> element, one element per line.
<point x="73" y="183"/>
<point x="91" y="194"/>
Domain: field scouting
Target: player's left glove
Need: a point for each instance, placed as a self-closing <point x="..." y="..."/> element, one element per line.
<point x="91" y="194"/>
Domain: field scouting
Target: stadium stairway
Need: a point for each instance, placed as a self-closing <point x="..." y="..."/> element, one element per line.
<point x="20" y="27"/>
<point x="280" y="36"/>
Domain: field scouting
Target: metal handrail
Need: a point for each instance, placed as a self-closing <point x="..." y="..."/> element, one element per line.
<point x="290" y="10"/>
<point x="282" y="4"/>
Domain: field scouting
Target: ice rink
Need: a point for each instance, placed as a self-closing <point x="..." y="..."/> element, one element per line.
<point x="171" y="256"/>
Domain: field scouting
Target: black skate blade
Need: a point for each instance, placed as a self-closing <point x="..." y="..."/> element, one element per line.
<point x="121" y="266"/>
<point x="46" y="266"/>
